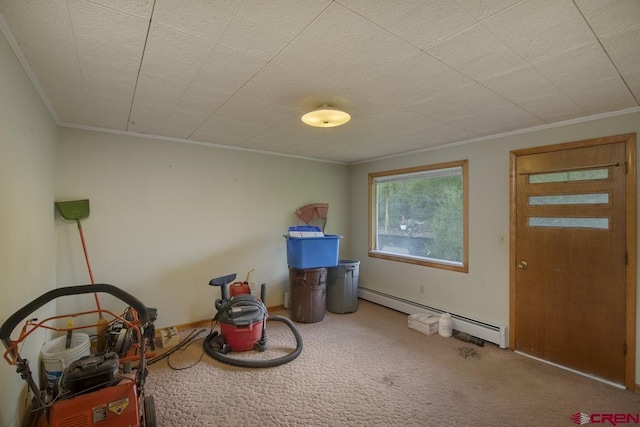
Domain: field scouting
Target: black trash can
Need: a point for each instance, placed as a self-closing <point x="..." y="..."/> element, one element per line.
<point x="342" y="286"/>
<point x="308" y="294"/>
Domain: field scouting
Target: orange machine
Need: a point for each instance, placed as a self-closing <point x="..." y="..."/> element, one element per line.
<point x="97" y="389"/>
<point x="113" y="406"/>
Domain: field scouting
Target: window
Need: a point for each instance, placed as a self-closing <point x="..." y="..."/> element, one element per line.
<point x="420" y="215"/>
<point x="569" y="176"/>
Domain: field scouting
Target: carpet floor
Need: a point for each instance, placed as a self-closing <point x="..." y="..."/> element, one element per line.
<point x="369" y="369"/>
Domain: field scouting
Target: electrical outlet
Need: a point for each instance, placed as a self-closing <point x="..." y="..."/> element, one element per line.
<point x="501" y="239"/>
<point x="422" y="289"/>
<point x="252" y="285"/>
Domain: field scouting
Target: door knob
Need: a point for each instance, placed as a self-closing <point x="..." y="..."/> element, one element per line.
<point x="522" y="265"/>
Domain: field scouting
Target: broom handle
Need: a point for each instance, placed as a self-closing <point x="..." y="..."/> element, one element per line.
<point x="86" y="257"/>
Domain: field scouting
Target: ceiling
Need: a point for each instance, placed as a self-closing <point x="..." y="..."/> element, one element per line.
<point x="413" y="74"/>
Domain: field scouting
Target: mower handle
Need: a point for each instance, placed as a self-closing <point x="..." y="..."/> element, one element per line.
<point x="17" y="317"/>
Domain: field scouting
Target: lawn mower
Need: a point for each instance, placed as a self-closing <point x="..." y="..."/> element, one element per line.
<point x="243" y="320"/>
<point x="96" y="389"/>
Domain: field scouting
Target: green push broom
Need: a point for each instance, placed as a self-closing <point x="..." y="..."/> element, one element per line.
<point x="75" y="210"/>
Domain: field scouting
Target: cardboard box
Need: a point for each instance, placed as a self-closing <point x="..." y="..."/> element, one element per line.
<point x="424" y="322"/>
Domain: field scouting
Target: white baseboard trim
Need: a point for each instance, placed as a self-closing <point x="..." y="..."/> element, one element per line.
<point x="497" y="334"/>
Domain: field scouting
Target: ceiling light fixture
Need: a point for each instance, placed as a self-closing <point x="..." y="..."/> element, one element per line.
<point x="326" y="116"/>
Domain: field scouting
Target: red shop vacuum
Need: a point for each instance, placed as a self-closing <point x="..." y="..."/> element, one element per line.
<point x="242" y="319"/>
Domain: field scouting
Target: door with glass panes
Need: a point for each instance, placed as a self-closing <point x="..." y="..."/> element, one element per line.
<point x="570" y="256"/>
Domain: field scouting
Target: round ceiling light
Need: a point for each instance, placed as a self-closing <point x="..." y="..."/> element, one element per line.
<point x="326" y="117"/>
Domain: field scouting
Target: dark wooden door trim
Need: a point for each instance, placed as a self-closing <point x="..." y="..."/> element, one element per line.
<point x="630" y="279"/>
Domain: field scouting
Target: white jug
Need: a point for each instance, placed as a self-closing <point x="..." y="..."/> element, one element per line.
<point x="445" y="325"/>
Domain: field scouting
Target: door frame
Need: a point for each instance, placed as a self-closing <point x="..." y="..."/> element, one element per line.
<point x="631" y="230"/>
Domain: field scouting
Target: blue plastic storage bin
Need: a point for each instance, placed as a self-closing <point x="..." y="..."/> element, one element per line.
<point x="313" y="252"/>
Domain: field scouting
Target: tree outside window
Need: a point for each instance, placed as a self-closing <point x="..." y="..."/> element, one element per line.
<point x="419" y="215"/>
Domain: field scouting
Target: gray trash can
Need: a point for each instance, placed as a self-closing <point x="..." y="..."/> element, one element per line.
<point x="342" y="286"/>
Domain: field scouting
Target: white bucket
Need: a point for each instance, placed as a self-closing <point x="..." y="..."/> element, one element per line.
<point x="55" y="357"/>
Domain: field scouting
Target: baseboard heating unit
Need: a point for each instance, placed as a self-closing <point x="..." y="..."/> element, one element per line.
<point x="496" y="334"/>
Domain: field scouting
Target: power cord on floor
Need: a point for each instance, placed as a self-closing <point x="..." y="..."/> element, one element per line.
<point x="193" y="336"/>
<point x="195" y="339"/>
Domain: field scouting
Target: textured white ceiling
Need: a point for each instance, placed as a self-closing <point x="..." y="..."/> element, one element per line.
<point x="412" y="73"/>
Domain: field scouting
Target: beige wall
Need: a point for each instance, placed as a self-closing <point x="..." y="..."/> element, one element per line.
<point x="483" y="293"/>
<point x="27" y="237"/>
<point x="166" y="217"/>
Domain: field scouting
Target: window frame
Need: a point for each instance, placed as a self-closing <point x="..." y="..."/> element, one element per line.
<point x="462" y="267"/>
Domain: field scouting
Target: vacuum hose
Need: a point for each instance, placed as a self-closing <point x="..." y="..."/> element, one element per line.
<point x="246" y="363"/>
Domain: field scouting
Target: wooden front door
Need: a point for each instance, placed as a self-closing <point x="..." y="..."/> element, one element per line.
<point x="571" y="256"/>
